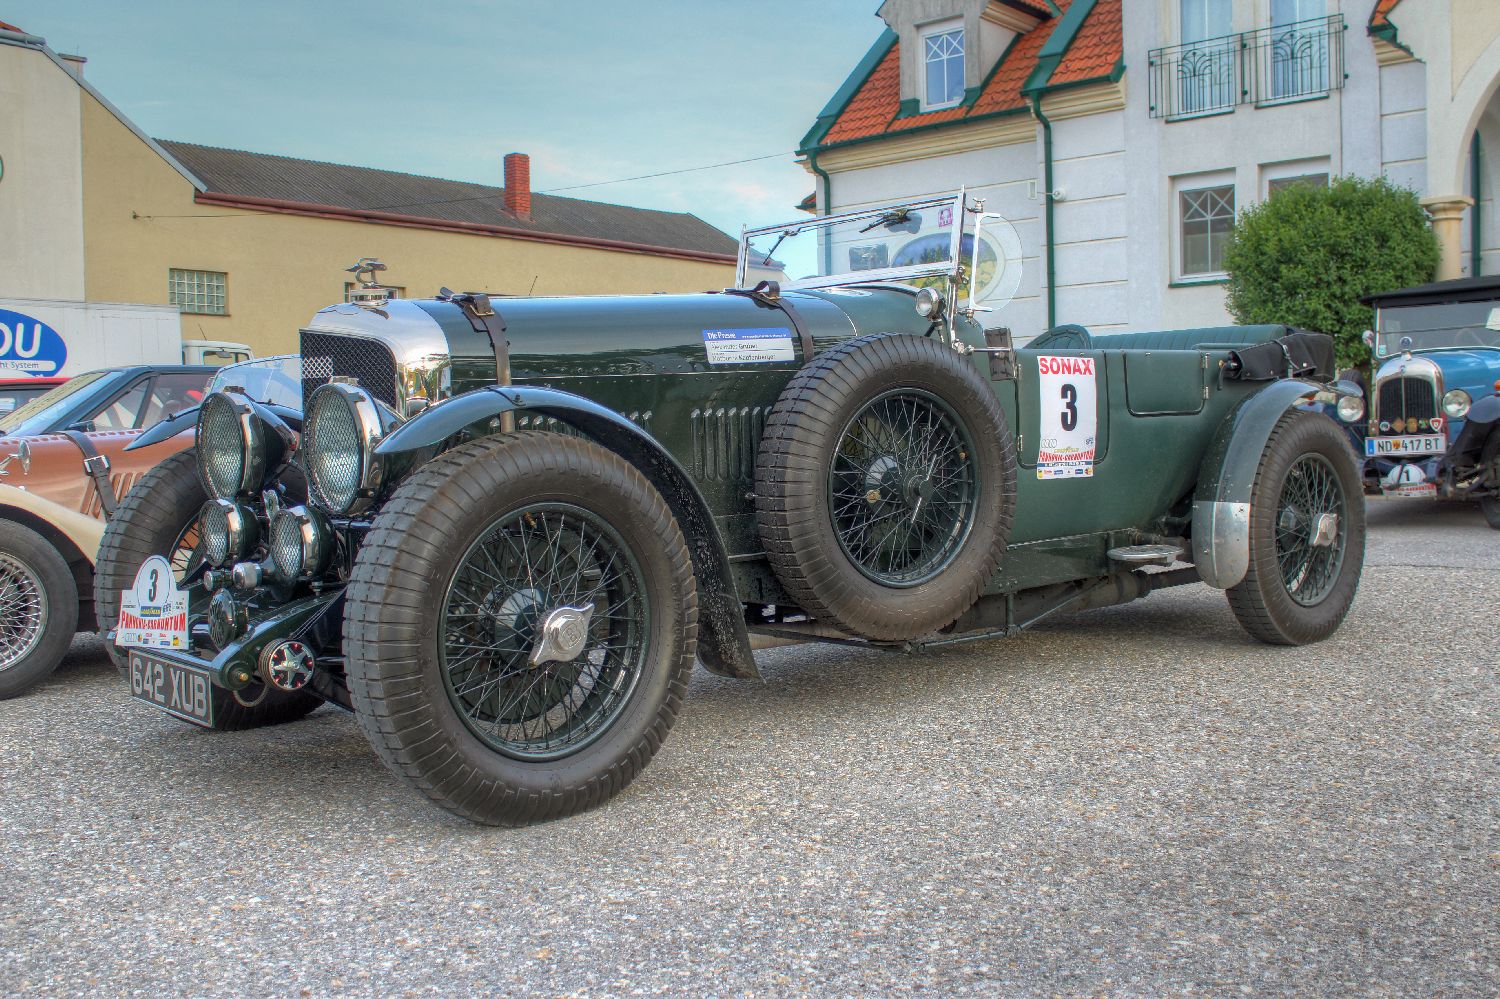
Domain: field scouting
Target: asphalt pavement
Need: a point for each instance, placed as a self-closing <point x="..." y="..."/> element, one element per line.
<point x="1134" y="801"/>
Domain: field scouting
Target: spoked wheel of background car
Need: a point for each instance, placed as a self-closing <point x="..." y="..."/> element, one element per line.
<point x="885" y="485"/>
<point x="159" y="516"/>
<point x="38" y="608"/>
<point x="520" y="627"/>
<point x="1490" y="460"/>
<point x="1307" y="534"/>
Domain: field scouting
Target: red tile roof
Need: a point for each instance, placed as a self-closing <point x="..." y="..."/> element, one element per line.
<point x="1094" y="52"/>
<point x="1381" y="15"/>
<point x="6" y="26"/>
<point x="1097" y="46"/>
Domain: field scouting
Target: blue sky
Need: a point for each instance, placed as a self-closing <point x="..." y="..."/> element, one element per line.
<point x="592" y="90"/>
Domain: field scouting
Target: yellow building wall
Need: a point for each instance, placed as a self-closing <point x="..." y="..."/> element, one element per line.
<point x="140" y="220"/>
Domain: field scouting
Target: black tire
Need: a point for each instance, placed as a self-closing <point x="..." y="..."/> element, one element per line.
<point x="1490" y="458"/>
<point x="38" y="608"/>
<point x="1311" y="606"/>
<point x="151" y="520"/>
<point x="400" y="627"/>
<point x="801" y="467"/>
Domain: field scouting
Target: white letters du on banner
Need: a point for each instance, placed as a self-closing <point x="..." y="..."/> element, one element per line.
<point x="1068" y="398"/>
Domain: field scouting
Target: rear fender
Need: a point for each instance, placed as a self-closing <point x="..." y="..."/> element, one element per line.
<point x="1221" y="505"/>
<point x="724" y="643"/>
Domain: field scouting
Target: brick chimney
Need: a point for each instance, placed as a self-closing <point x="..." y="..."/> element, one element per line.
<point x="518" y="185"/>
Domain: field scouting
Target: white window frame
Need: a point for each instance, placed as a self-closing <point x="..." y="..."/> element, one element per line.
<point x="1185" y="184"/>
<point x="1289" y="169"/>
<point x="927" y="31"/>
<point x="198" y="292"/>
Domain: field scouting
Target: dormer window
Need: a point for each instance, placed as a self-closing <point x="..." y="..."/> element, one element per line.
<point x="943" y="64"/>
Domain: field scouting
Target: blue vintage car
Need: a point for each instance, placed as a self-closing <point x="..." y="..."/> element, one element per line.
<point x="1433" y="422"/>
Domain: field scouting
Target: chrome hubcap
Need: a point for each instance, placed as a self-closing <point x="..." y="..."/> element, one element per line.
<point x="565" y="632"/>
<point x="23" y="611"/>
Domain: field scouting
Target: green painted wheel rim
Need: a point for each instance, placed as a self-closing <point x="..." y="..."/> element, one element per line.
<point x="1312" y="489"/>
<point x="903" y="487"/>
<point x="525" y="565"/>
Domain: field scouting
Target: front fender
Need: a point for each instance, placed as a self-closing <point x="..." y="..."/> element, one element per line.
<point x="1221" y="505"/>
<point x="724" y="643"/>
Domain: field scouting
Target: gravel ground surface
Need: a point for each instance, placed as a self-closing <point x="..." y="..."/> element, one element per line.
<point x="1139" y="800"/>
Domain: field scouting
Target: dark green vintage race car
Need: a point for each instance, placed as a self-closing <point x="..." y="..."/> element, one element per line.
<point x="501" y="530"/>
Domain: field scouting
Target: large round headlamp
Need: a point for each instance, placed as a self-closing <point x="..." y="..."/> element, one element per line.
<point x="226" y="531"/>
<point x="237" y="447"/>
<point x="1351" y="408"/>
<point x="300" y="543"/>
<point x="1456" y="403"/>
<point x="338" y="447"/>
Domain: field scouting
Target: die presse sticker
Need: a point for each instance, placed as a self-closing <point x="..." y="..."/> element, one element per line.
<point x="1068" y="390"/>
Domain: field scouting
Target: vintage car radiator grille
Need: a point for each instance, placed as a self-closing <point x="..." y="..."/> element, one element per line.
<point x="325" y="355"/>
<point x="1406" y="397"/>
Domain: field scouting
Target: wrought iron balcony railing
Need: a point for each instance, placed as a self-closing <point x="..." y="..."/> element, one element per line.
<point x="1287" y="62"/>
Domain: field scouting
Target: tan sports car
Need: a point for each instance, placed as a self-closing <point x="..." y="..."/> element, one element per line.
<point x="56" y="490"/>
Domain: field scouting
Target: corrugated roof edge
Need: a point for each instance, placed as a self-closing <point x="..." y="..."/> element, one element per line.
<point x="422" y="176"/>
<point x="307" y="208"/>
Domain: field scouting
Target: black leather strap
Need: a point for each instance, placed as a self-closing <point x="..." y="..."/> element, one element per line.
<point x="97" y="468"/>
<point x="768" y="293"/>
<point x="483" y="317"/>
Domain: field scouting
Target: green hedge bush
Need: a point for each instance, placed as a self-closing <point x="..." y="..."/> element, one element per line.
<point x="1308" y="255"/>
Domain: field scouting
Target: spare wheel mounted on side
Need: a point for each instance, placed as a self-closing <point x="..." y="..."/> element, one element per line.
<point x="885" y="486"/>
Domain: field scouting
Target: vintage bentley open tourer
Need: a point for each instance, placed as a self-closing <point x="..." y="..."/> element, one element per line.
<point x="501" y="531"/>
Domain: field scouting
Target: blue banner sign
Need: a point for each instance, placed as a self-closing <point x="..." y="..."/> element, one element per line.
<point x="29" y="346"/>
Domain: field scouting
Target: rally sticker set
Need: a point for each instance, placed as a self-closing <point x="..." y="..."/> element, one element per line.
<point x="153" y="612"/>
<point x="1069" y="406"/>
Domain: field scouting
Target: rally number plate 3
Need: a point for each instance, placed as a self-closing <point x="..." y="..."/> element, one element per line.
<point x="180" y="691"/>
<point x="1392" y="447"/>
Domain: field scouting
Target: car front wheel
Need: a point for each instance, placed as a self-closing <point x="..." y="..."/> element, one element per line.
<point x="520" y="627"/>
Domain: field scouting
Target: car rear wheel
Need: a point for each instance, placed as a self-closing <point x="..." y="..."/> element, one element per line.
<point x="38" y="608"/>
<point x="1307" y="534"/>
<point x="884" y="486"/>
<point x="1490" y="460"/>
<point x="159" y="516"/>
<point x="520" y="627"/>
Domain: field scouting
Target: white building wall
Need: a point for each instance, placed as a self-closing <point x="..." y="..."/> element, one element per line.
<point x="1116" y="256"/>
<point x="41" y="188"/>
<point x="1403" y="124"/>
<point x="1091" y="248"/>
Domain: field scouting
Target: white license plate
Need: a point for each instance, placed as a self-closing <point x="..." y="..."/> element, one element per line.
<point x="177" y="690"/>
<point x="1392" y="447"/>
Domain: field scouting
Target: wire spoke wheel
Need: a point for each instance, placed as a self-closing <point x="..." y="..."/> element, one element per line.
<point x="544" y="631"/>
<point x="903" y="487"/>
<point x="1310" y="538"/>
<point x="187" y="555"/>
<point x="23" y="610"/>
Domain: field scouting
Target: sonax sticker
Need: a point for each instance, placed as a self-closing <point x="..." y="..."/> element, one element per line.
<point x="1068" y="404"/>
<point x="749" y="346"/>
